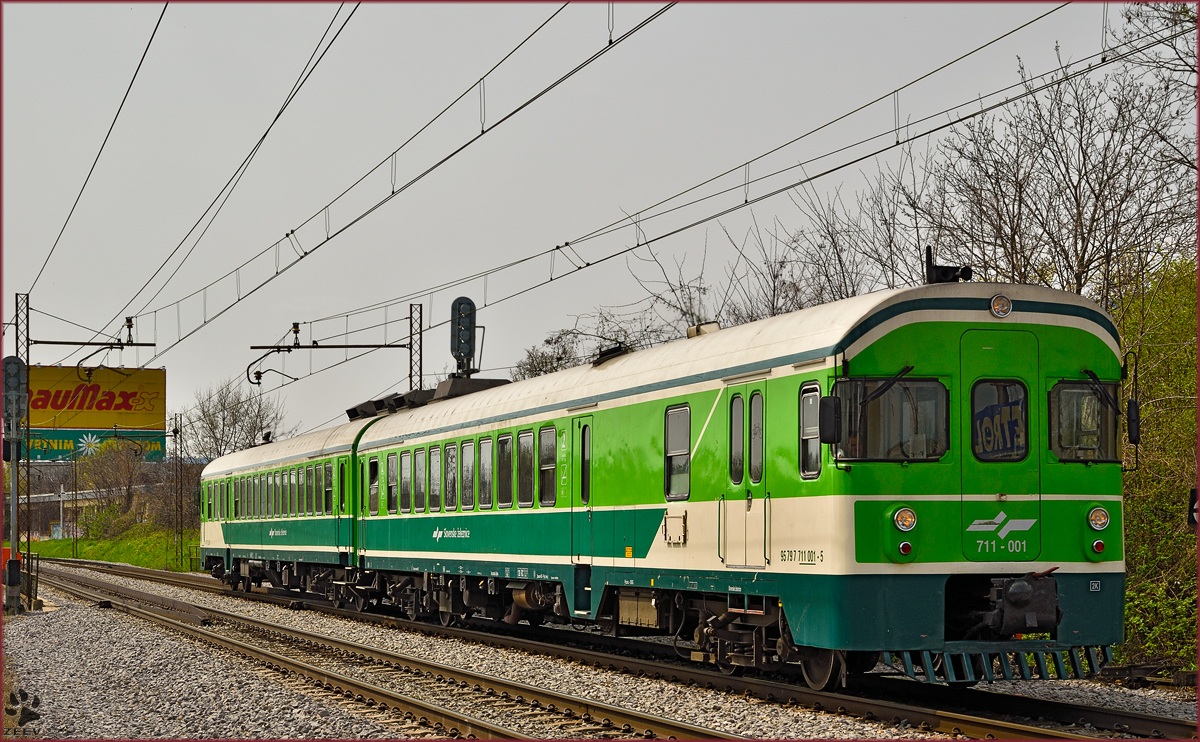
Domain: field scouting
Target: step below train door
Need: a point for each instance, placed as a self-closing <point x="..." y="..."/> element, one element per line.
<point x="581" y="512"/>
<point x="1001" y="407"/>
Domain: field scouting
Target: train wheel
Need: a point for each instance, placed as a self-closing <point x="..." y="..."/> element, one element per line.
<point x="446" y="618"/>
<point x="823" y="671"/>
<point x="728" y="668"/>
<point x="858" y="663"/>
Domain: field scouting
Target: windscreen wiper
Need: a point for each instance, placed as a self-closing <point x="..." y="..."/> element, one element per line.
<point x="884" y="387"/>
<point x="1101" y="391"/>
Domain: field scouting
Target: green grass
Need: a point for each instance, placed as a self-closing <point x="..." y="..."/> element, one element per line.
<point x="141" y="545"/>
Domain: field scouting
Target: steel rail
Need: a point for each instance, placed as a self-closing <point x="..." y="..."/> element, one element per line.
<point x="1130" y="722"/>
<point x="642" y="724"/>
<point x="453" y="723"/>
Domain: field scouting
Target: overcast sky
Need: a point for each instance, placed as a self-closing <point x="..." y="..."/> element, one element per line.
<point x="698" y="91"/>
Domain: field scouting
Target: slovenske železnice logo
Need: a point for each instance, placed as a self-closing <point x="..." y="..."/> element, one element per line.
<point x="1014" y="524"/>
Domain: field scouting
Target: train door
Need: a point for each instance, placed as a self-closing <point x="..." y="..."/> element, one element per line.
<point x="1000" y="403"/>
<point x="581" y="511"/>
<point x="343" y="523"/>
<point x="744" y="516"/>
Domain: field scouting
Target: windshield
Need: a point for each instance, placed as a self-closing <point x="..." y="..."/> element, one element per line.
<point x="908" y="421"/>
<point x="1083" y="423"/>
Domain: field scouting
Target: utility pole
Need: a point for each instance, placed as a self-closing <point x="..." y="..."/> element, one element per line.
<point x="414" y="347"/>
<point x="177" y="431"/>
<point x="23" y="344"/>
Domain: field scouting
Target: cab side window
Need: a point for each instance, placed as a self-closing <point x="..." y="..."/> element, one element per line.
<point x="810" y="442"/>
<point x="678" y="452"/>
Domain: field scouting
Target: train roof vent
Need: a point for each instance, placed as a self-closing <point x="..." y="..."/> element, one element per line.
<point x="607" y="354"/>
<point x="458" y="386"/>
<point x="361" y="411"/>
<point x="705" y="328"/>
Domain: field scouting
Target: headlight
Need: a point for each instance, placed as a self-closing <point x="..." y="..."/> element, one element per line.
<point x="1098" y="519"/>
<point x="1001" y="305"/>
<point x="905" y="519"/>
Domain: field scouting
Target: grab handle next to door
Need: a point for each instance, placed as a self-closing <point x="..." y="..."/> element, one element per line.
<point x="766" y="527"/>
<point x="720" y="517"/>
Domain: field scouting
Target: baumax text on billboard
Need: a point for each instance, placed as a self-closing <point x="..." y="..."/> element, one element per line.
<point x="64" y="397"/>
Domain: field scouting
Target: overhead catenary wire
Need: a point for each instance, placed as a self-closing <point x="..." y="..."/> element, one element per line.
<point x="621" y="223"/>
<point x="805" y="180"/>
<point x="242" y="295"/>
<point x="1079" y="70"/>
<point x="639" y="220"/>
<point x="227" y="189"/>
<point x="229" y="186"/>
<point x="92" y="169"/>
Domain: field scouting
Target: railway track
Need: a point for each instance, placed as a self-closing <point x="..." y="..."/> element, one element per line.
<point x="293" y="651"/>
<point x="930" y="707"/>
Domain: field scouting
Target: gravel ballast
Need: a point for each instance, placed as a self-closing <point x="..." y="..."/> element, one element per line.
<point x="202" y="719"/>
<point x="104" y="674"/>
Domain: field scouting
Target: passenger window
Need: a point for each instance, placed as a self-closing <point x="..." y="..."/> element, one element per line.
<point x="391" y="483"/>
<point x="679" y="452"/>
<point x="547" y="471"/>
<point x="237" y="499"/>
<point x="451" y="479"/>
<point x="435" y="479"/>
<point x="999" y="421"/>
<point x="504" y="471"/>
<point x="585" y="457"/>
<point x="419" y="480"/>
<point x="264" y="481"/>
<point x="342" y="487"/>
<point x="319" y="489"/>
<point x="373" y="492"/>
<point x="308" y="489"/>
<point x="810" y="442"/>
<point x="467" y="482"/>
<point x="406" y="482"/>
<point x="525" y="469"/>
<point x="280" y="499"/>
<point x="485" y="474"/>
<point x="329" y="489"/>
<point x="737" y="439"/>
<point x="756" y="437"/>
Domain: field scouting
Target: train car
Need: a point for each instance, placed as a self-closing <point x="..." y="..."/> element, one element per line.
<point x="930" y="475"/>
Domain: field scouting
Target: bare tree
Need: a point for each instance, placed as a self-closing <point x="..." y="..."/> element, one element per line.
<point x="115" y="471"/>
<point x="558" y="351"/>
<point x="228" y="418"/>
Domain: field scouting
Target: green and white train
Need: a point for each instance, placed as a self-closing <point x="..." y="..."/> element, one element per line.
<point x="930" y="473"/>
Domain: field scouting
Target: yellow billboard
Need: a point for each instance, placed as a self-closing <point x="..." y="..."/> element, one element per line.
<point x="97" y="398"/>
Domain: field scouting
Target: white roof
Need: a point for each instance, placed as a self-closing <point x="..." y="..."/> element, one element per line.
<point x="808" y="334"/>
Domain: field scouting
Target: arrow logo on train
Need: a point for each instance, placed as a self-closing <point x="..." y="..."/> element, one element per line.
<point x="991" y="524"/>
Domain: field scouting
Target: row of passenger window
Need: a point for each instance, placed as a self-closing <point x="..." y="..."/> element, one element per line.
<point x="443" y="478"/>
<point x="451" y="477"/>
<point x="301" y="491"/>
